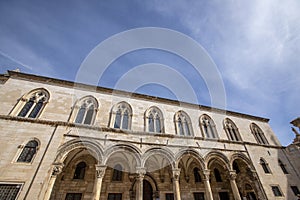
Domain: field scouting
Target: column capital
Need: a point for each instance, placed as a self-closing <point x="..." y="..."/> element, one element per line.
<point x="206" y="174"/>
<point x="100" y="170"/>
<point x="176" y="173"/>
<point x="232" y="175"/>
<point x="140" y="171"/>
<point x="56" y="169"/>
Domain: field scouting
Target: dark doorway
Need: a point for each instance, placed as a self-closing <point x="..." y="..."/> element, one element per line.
<point x="147" y="191"/>
<point x="224" y="196"/>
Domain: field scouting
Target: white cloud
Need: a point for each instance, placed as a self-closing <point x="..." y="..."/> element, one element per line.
<point x="256" y="45"/>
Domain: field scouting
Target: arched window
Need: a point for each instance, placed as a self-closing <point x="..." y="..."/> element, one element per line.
<point x="28" y="152"/>
<point x="32" y="104"/>
<point x="231" y="130"/>
<point x="154" y="120"/>
<point x="121" y="116"/>
<point x="258" y="134"/>
<point x="235" y="167"/>
<point x="85" y="110"/>
<point x="183" y="124"/>
<point x="208" y="127"/>
<point x="197" y="176"/>
<point x="217" y="175"/>
<point x="282" y="166"/>
<point x="79" y="171"/>
<point x="265" y="166"/>
<point x="117" y="173"/>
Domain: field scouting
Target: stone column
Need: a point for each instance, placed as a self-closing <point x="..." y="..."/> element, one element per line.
<point x="235" y="190"/>
<point x="176" y="176"/>
<point x="100" y="171"/>
<point x="139" y="184"/>
<point x="56" y="170"/>
<point x="208" y="192"/>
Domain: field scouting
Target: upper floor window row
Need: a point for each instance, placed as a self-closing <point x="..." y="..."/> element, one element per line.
<point x="85" y="110"/>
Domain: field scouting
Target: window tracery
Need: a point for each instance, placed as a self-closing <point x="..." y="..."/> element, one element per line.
<point x="208" y="127"/>
<point x="183" y="124"/>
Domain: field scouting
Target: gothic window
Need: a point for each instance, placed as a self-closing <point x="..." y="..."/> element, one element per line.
<point x="208" y="127"/>
<point x="197" y="176"/>
<point x="265" y="166"/>
<point x="276" y="191"/>
<point x="73" y="196"/>
<point x="231" y="130"/>
<point x="32" y="104"/>
<point x="117" y="173"/>
<point x="121" y="116"/>
<point x="217" y="175"/>
<point x="154" y="120"/>
<point x="183" y="124"/>
<point x="9" y="191"/>
<point x="80" y="171"/>
<point x="282" y="166"/>
<point x="258" y="134"/>
<point x="28" y="152"/>
<point x="85" y="110"/>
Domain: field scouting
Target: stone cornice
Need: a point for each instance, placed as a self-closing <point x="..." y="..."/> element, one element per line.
<point x="81" y="86"/>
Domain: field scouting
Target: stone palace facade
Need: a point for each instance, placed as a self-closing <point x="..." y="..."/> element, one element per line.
<point x="66" y="141"/>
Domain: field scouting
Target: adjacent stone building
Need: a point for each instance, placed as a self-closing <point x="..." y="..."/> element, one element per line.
<point x="66" y="141"/>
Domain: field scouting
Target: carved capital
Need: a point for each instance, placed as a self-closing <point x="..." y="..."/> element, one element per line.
<point x="100" y="171"/>
<point x="140" y="171"/>
<point x="206" y="174"/>
<point x="57" y="169"/>
<point x="176" y="174"/>
<point x="232" y="175"/>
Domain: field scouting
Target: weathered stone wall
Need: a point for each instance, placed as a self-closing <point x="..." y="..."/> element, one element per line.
<point x="52" y="130"/>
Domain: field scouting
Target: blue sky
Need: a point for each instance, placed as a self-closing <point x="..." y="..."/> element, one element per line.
<point x="254" y="44"/>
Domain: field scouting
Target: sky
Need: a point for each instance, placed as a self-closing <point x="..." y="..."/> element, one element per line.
<point x="254" y="46"/>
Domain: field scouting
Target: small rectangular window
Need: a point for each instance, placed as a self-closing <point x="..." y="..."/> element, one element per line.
<point x="114" y="196"/>
<point x="276" y="191"/>
<point x="73" y="196"/>
<point x="9" y="191"/>
<point x="295" y="190"/>
<point x="169" y="196"/>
